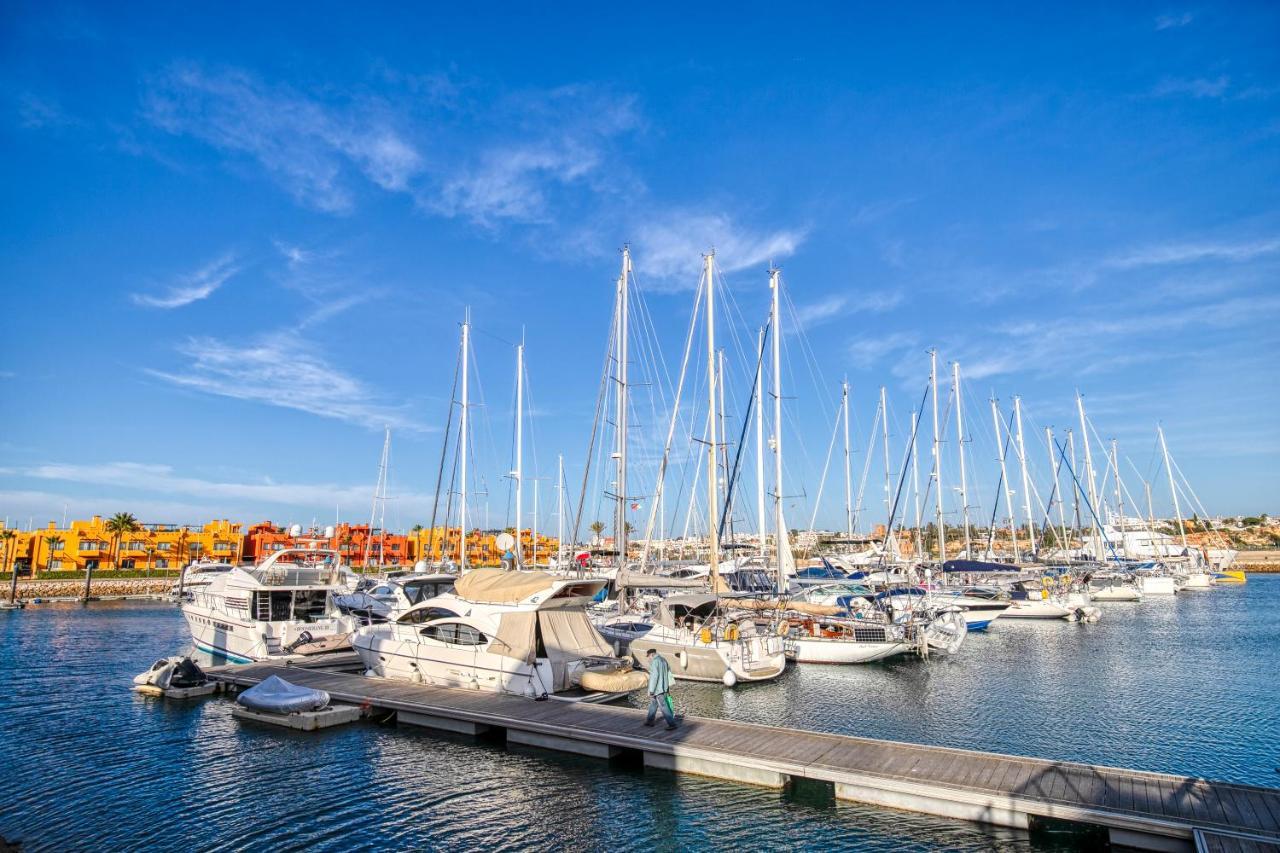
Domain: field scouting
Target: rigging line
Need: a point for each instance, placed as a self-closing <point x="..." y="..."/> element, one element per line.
<point x="595" y="422"/>
<point x="742" y="436"/>
<point x="822" y="482"/>
<point x="660" y="481"/>
<point x="902" y="478"/>
<point x="1062" y="450"/>
<point x="995" y="504"/>
<point x="444" y="449"/>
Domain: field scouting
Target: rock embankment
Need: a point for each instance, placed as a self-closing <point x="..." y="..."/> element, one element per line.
<point x="101" y="587"/>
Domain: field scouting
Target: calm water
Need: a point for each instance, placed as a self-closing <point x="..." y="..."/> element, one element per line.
<point x="1188" y="685"/>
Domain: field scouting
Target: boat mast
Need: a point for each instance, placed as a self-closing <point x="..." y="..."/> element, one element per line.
<point x="1088" y="473"/>
<point x="1026" y="484"/>
<point x="937" y="456"/>
<point x="888" y="487"/>
<point x="560" y="509"/>
<point x="1115" y="466"/>
<point x="724" y="449"/>
<point x="462" y="521"/>
<point x="713" y="540"/>
<point x="1075" y="492"/>
<point x="519" y="472"/>
<point x="1004" y="478"/>
<point x="780" y="531"/>
<point x="761" y="519"/>
<point x="1055" y="465"/>
<point x="1173" y="490"/>
<point x="849" y="483"/>
<point x="964" y="481"/>
<point x="620" y="522"/>
<point x="379" y="494"/>
<point x="915" y="484"/>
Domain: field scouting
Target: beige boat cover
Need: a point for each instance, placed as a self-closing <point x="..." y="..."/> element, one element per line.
<point x="568" y="635"/>
<point x="797" y="606"/>
<point x="515" y="637"/>
<point x="494" y="586"/>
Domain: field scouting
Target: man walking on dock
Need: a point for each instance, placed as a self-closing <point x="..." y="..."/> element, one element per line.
<point x="660" y="680"/>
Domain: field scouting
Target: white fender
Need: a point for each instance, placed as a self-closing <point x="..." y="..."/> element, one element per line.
<point x="730" y="678"/>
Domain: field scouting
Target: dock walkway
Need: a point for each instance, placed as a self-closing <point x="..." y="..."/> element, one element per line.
<point x="1154" y="811"/>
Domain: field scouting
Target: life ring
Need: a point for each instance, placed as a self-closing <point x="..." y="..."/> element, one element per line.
<point x="731" y="633"/>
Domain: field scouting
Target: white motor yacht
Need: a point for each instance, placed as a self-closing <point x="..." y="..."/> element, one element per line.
<point x="525" y="633"/>
<point x="275" y="609"/>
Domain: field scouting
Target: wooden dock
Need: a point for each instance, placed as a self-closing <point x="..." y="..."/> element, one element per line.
<point x="1154" y="811"/>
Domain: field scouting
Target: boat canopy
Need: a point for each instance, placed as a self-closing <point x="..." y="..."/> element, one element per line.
<point x="643" y="580"/>
<point x="977" y="566"/>
<point x="677" y="607"/>
<point x="495" y="586"/>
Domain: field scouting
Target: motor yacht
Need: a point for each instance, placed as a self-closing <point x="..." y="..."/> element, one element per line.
<point x="525" y="633"/>
<point x="281" y="607"/>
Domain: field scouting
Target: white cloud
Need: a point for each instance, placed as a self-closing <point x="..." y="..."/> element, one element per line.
<point x="865" y="352"/>
<point x="842" y="305"/>
<point x="193" y="286"/>
<point x="670" y="247"/>
<point x="283" y="370"/>
<point x="1191" y="252"/>
<point x="139" y="487"/>
<point x="306" y="145"/>
<point x="1170" y="21"/>
<point x="1196" y="87"/>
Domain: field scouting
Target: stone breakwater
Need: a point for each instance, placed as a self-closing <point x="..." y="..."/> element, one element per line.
<point x="103" y="587"/>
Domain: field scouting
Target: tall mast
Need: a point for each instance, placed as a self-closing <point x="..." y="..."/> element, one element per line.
<point x="724" y="449"/>
<point x="1026" y="484"/>
<point x="462" y="522"/>
<point x="848" y="482"/>
<point x="964" y="482"/>
<point x="1075" y="492"/>
<point x="780" y="531"/>
<point x="1055" y="465"/>
<point x="1088" y="474"/>
<point x="1115" y="467"/>
<point x="1173" y="490"/>
<point x="1004" y="478"/>
<point x="761" y="520"/>
<point x="620" y="523"/>
<point x="379" y="495"/>
<point x="519" y="472"/>
<point x="713" y="537"/>
<point x="888" y="488"/>
<point x="937" y="457"/>
<point x="915" y="485"/>
<point x="560" y="509"/>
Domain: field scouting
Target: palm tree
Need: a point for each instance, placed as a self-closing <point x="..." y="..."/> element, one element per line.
<point x="117" y="525"/>
<point x="597" y="527"/>
<point x="8" y="537"/>
<point x="54" y="543"/>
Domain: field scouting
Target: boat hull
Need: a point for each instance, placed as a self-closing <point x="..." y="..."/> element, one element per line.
<point x="1036" y="610"/>
<point x="694" y="662"/>
<point x="1157" y="585"/>
<point x="818" y="650"/>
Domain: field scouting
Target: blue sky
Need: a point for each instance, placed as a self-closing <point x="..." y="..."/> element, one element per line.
<point x="238" y="241"/>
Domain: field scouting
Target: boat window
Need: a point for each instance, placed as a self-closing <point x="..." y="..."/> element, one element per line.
<point x="447" y="633"/>
<point x="468" y="636"/>
<point x="427" y="614"/>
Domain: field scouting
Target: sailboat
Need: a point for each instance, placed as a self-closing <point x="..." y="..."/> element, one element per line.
<point x="704" y="637"/>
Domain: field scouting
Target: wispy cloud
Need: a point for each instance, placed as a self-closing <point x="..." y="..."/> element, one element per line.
<point x="308" y="146"/>
<point x="1193" y="251"/>
<point x="843" y="305"/>
<point x="208" y="497"/>
<point x="670" y="247"/>
<point x="1195" y="87"/>
<point x="1173" y="20"/>
<point x="866" y="351"/>
<point x="193" y="286"/>
<point x="286" y="371"/>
